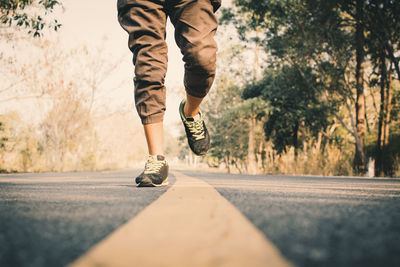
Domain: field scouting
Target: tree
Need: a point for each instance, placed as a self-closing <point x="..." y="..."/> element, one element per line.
<point x="294" y="109"/>
<point x="359" y="158"/>
<point x="3" y="140"/>
<point x="66" y="126"/>
<point x="383" y="40"/>
<point x="68" y="89"/>
<point x="301" y="36"/>
<point x="227" y="126"/>
<point x="335" y="40"/>
<point x="248" y="28"/>
<point x="22" y="13"/>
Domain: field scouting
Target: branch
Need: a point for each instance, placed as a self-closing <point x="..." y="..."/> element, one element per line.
<point x="20" y="97"/>
<point x="393" y="58"/>
<point x="353" y="125"/>
<point x="340" y="119"/>
<point x="12" y="85"/>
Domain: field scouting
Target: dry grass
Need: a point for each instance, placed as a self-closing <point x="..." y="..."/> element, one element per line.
<point x="310" y="161"/>
<point x="328" y="160"/>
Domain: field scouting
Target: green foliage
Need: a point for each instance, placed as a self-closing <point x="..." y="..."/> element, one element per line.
<point x="392" y="153"/>
<point x="391" y="159"/>
<point x="309" y="47"/>
<point x="227" y="124"/>
<point x="383" y="24"/>
<point x="3" y="139"/>
<point x="18" y="13"/>
<point x="229" y="142"/>
<point x="310" y="81"/>
<point x="245" y="19"/>
<point x="294" y="108"/>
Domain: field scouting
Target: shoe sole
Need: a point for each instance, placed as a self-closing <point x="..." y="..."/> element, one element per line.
<point x="145" y="184"/>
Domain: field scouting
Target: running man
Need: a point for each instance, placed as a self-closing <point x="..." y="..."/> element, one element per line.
<point x="195" y="26"/>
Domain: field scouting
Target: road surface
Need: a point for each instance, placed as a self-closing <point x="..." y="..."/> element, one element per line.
<point x="201" y="219"/>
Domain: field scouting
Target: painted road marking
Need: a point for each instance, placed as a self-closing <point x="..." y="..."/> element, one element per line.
<point x="189" y="225"/>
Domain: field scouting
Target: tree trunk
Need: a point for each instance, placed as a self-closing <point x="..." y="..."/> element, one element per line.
<point x="379" y="162"/>
<point x="395" y="61"/>
<point x="388" y="108"/>
<point x="384" y="123"/>
<point x="227" y="163"/>
<point x="296" y="139"/>
<point x="359" y="159"/>
<point x="256" y="63"/>
<point x="251" y="159"/>
<point x="260" y="155"/>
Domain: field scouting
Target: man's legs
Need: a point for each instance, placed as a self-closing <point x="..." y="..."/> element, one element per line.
<point x="154" y="133"/>
<point x="192" y="105"/>
<point x="195" y="26"/>
<point x="145" y="22"/>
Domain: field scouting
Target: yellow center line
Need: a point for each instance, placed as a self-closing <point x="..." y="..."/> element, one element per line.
<point x="189" y="225"/>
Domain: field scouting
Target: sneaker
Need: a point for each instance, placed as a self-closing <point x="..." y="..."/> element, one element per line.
<point x="155" y="172"/>
<point x="196" y="132"/>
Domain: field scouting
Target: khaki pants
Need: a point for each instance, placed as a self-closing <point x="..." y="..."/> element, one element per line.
<point x="195" y="25"/>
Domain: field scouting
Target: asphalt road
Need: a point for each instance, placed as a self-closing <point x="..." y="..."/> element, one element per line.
<point x="51" y="219"/>
<point x="321" y="221"/>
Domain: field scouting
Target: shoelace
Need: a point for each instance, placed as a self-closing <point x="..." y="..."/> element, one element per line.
<point x="196" y="129"/>
<point x="153" y="166"/>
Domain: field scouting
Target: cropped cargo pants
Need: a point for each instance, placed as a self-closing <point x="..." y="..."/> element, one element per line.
<point x="195" y="25"/>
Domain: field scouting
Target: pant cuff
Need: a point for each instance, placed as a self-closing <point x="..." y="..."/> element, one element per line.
<point x="156" y="118"/>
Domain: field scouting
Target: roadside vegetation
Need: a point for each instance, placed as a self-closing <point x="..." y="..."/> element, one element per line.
<point x="311" y="88"/>
<point x="56" y="100"/>
<point x="303" y="87"/>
